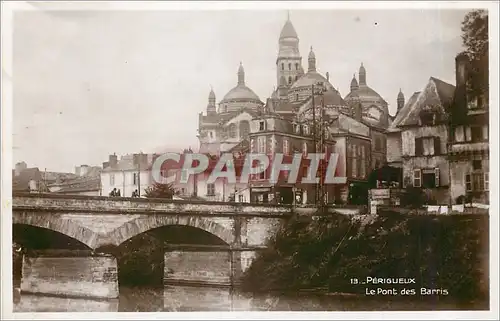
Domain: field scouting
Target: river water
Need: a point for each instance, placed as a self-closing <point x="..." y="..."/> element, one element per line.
<point x="188" y="298"/>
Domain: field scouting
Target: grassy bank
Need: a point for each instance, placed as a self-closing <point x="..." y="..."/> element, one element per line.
<point x="440" y="252"/>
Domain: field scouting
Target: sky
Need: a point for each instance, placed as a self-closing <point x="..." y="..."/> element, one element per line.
<point x="87" y="84"/>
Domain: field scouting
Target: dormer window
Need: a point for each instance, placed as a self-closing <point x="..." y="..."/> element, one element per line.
<point x="427" y="118"/>
<point x="473" y="103"/>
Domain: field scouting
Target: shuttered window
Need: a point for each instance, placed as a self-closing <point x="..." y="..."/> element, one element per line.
<point x="437" y="178"/>
<point x="417" y="178"/>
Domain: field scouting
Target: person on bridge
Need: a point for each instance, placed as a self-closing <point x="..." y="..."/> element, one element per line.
<point x="113" y="192"/>
<point x="118" y="193"/>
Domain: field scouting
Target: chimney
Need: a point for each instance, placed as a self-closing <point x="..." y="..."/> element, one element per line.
<point x="327" y="76"/>
<point x="113" y="160"/>
<point x="84" y="169"/>
<point x="21" y="166"/>
<point x="105" y="164"/>
<point x="461" y="62"/>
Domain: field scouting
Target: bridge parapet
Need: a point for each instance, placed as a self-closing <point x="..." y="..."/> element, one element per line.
<point x="50" y="203"/>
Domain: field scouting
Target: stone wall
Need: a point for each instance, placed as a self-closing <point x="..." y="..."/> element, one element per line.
<point x="198" y="267"/>
<point x="79" y="276"/>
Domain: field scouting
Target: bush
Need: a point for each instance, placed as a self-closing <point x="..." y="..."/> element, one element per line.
<point x="446" y="252"/>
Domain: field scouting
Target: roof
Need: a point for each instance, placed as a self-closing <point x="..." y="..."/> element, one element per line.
<point x="436" y="96"/>
<point x="21" y="182"/>
<point x="127" y="164"/>
<point x="403" y="112"/>
<point x="81" y="184"/>
<point x="311" y="78"/>
<point x="364" y="91"/>
<point x="332" y="98"/>
<point x="57" y="176"/>
<point x="241" y="92"/>
<point x="242" y="146"/>
<point x="288" y="31"/>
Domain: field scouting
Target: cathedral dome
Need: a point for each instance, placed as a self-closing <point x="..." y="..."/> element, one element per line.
<point x="240" y="97"/>
<point x="311" y="78"/>
<point x="364" y="91"/>
<point x="375" y="108"/>
<point x="241" y="92"/>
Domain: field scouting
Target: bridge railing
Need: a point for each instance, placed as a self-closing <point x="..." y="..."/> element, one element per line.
<point x="126" y="205"/>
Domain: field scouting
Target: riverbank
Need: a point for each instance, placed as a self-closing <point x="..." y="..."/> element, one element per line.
<point x="446" y="255"/>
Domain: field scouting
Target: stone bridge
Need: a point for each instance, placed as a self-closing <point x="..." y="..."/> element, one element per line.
<point x="100" y="222"/>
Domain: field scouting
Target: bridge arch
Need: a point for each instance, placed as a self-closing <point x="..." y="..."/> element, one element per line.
<point x="55" y="223"/>
<point x="146" y="223"/>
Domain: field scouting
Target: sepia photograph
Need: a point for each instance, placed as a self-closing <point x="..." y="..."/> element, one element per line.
<point x="249" y="157"/>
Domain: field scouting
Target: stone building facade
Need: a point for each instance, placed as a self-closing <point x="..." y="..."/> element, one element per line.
<point x="468" y="143"/>
<point x="354" y="127"/>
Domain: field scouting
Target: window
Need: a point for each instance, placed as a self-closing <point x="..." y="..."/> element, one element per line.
<point x="378" y="144"/>
<point x="240" y="198"/>
<point x="427" y="118"/>
<point x="296" y="95"/>
<point x="286" y="147"/>
<point x="210" y="189"/>
<point x="477" y="164"/>
<point x="211" y="135"/>
<point x="289" y="66"/>
<point x="477" y="182"/>
<point x="262" y="125"/>
<point x="467" y="134"/>
<point x="354" y="161"/>
<point x="476" y="133"/>
<point x="183" y="191"/>
<point x="485" y="132"/>
<point x="112" y="179"/>
<point x="296" y="78"/>
<point x="417" y="178"/>
<point x="306" y="130"/>
<point x="134" y="179"/>
<point x="472" y="103"/>
<point x="296" y="66"/>
<point x="262" y="174"/>
<point x="261" y="145"/>
<point x="232" y="130"/>
<point x="427" y="146"/>
<point x="459" y="134"/>
<point x="437" y="176"/>
<point x="289" y="80"/>
<point x="244" y="128"/>
<point x="282" y="66"/>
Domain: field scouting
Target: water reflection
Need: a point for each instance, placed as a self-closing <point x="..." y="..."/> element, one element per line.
<point x="187" y="298"/>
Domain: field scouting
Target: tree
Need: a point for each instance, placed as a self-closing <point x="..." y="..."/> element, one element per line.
<point x="159" y="190"/>
<point x="475" y="40"/>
